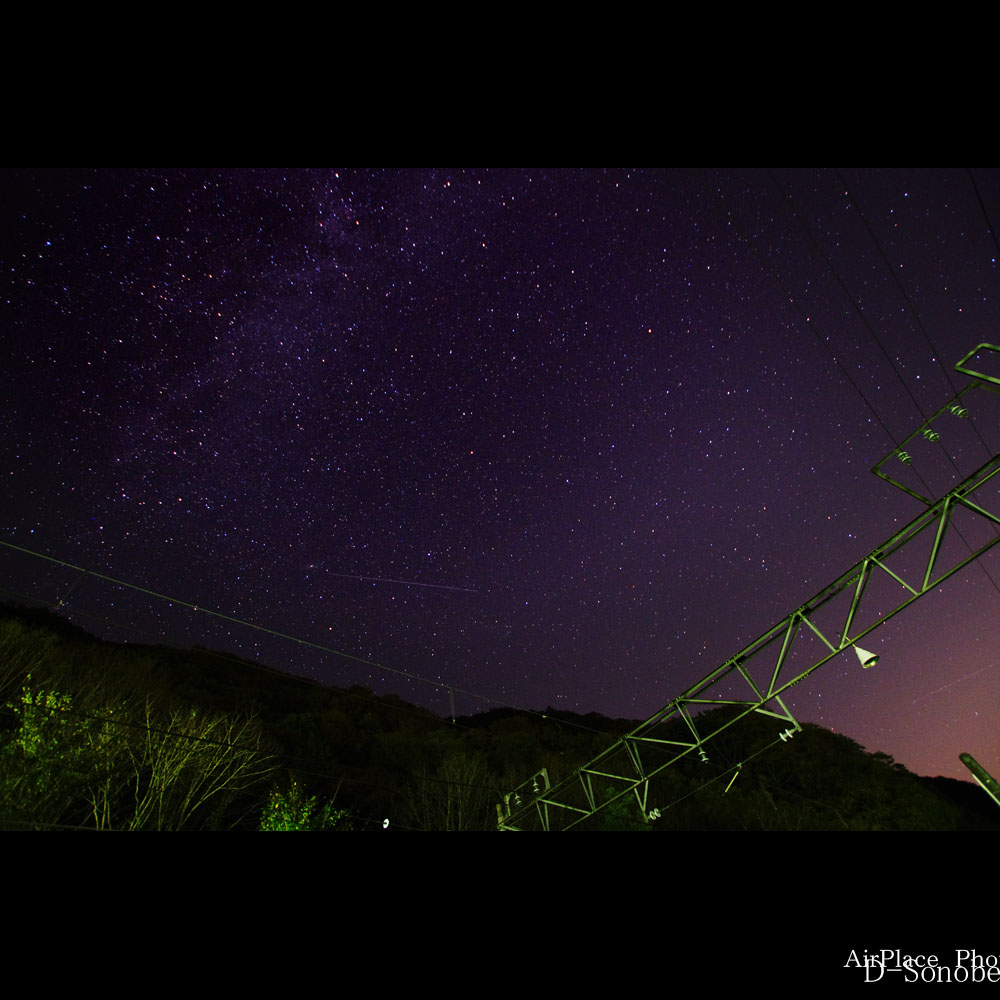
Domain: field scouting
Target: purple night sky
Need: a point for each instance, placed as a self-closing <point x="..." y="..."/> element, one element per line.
<point x="565" y="437"/>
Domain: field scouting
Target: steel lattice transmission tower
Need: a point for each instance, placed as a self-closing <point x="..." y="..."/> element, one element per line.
<point x="892" y="576"/>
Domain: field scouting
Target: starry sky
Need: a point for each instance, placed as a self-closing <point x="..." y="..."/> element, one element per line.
<point x="530" y="437"/>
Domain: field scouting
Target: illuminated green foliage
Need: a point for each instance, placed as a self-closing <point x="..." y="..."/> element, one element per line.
<point x="44" y="721"/>
<point x="111" y="767"/>
<point x="56" y="756"/>
<point x="292" y="810"/>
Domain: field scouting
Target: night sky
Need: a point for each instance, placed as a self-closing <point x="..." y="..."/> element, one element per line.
<point x="553" y="437"/>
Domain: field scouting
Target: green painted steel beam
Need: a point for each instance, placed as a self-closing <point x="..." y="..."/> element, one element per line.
<point x="966" y="370"/>
<point x="990" y="784"/>
<point x="954" y="408"/>
<point x="622" y="770"/>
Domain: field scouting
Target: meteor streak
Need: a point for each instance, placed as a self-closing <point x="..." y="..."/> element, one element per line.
<point x="945" y="687"/>
<point x="405" y="583"/>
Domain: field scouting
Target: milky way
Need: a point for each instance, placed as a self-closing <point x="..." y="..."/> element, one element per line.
<point x="527" y="437"/>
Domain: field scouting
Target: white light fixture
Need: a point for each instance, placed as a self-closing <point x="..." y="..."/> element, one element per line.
<point x="867" y="659"/>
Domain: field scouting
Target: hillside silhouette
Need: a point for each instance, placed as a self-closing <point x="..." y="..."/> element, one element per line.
<point x="101" y="736"/>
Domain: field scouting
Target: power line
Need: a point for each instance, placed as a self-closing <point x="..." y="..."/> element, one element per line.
<point x="282" y="635"/>
<point x="808" y="320"/>
<point x="239" y="621"/>
<point x="913" y="310"/>
<point x="986" y="216"/>
<point x="864" y="319"/>
<point x="878" y="342"/>
<point x="934" y="354"/>
<point x="252" y="665"/>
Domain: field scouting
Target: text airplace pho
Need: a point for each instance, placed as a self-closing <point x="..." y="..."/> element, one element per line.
<point x="968" y="966"/>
